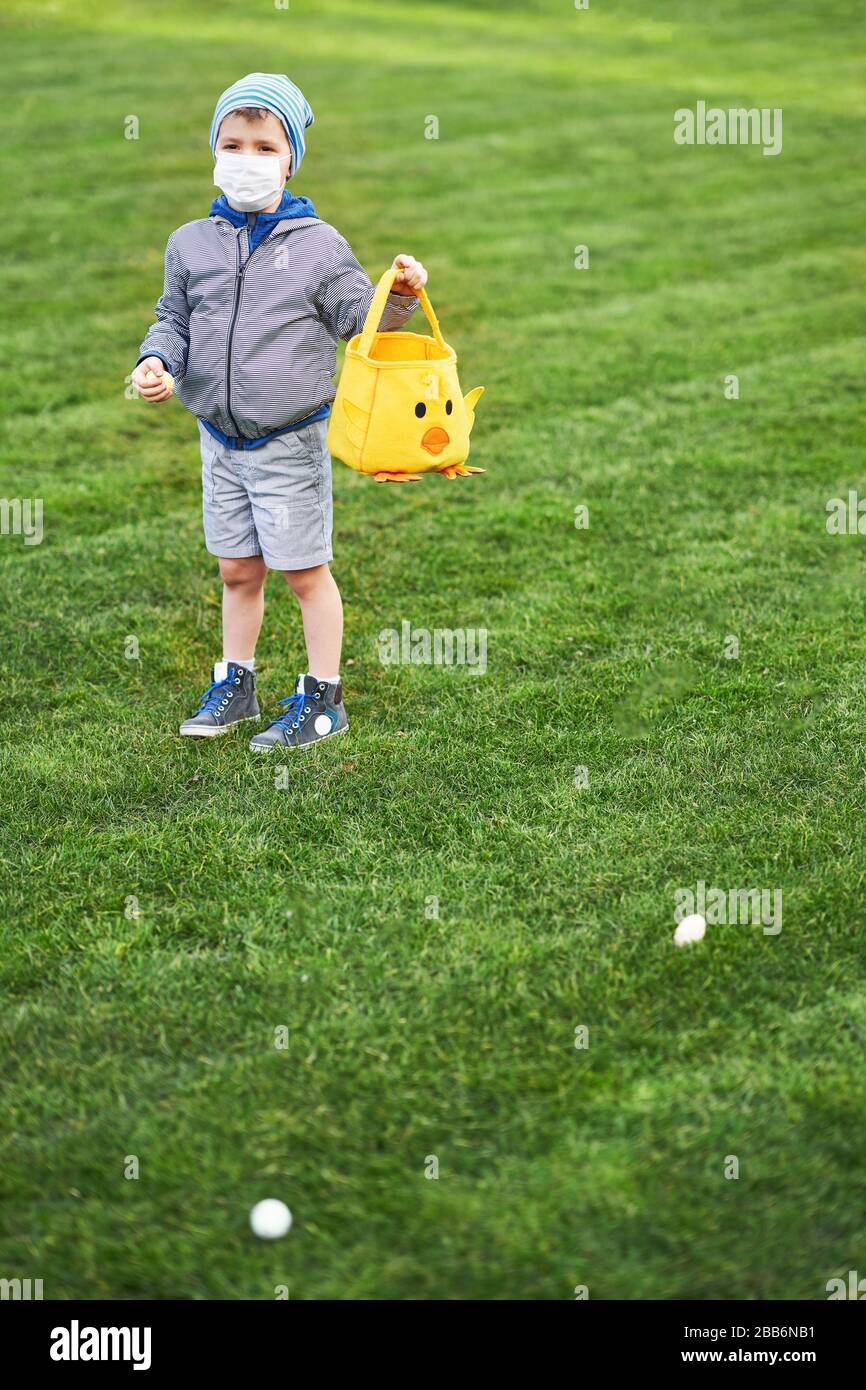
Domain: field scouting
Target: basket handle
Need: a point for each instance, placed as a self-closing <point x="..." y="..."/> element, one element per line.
<point x="377" y="309"/>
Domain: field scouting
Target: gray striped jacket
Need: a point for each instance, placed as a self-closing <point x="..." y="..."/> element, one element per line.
<point x="251" y="340"/>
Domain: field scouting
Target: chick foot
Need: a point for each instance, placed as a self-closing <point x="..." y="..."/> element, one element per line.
<point x="459" y="470"/>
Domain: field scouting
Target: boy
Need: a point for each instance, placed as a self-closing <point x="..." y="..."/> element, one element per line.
<point x="255" y="298"/>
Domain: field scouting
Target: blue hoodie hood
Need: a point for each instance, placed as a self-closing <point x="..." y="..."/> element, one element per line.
<point x="261" y="223"/>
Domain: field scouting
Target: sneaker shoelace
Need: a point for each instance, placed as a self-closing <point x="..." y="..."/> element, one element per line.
<point x="213" y="696"/>
<point x="293" y="708"/>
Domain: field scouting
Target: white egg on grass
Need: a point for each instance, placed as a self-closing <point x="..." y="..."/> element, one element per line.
<point x="690" y="929"/>
<point x="270" y="1219"/>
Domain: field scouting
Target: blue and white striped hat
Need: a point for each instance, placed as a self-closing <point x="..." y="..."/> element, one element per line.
<point x="276" y="93"/>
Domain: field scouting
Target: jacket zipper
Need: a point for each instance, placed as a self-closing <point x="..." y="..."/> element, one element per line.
<point x="239" y="288"/>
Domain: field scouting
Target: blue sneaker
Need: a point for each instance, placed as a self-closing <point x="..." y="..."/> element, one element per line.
<point x="229" y="699"/>
<point x="313" y="713"/>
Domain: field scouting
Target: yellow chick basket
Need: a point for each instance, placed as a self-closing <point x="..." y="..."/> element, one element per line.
<point x="399" y="411"/>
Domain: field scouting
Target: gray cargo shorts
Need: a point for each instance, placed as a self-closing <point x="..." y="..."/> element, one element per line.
<point x="274" y="501"/>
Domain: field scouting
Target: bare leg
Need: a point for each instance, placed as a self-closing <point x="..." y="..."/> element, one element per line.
<point x="243" y="606"/>
<point x="322" y="612"/>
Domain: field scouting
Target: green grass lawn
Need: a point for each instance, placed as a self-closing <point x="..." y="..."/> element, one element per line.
<point x="308" y="906"/>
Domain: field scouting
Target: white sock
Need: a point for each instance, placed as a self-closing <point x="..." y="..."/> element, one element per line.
<point x="250" y="665"/>
<point x="328" y="680"/>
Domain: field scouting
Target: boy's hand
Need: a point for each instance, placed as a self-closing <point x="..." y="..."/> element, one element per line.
<point x="412" y="275"/>
<point x="152" y="381"/>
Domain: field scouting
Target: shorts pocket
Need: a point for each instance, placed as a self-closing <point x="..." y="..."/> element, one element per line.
<point x="302" y="444"/>
<point x="208" y="486"/>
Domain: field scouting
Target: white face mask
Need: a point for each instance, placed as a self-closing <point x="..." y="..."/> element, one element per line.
<point x="249" y="181"/>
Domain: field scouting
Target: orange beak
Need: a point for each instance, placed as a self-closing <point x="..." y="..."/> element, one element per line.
<point x="434" y="440"/>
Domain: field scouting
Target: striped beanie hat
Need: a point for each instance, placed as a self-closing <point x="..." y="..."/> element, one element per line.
<point x="275" y="93"/>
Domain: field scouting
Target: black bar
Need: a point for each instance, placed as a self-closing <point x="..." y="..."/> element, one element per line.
<point x="285" y="1336"/>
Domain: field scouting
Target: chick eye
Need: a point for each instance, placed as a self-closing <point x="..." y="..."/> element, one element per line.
<point x="448" y="407"/>
<point x="420" y="410"/>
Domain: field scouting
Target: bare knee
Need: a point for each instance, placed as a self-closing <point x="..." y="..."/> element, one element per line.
<point x="238" y="573"/>
<point x="305" y="583"/>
